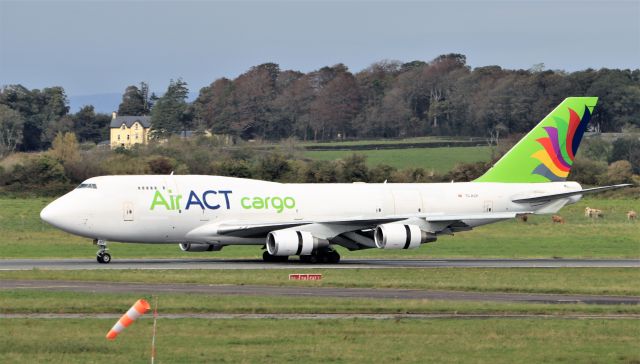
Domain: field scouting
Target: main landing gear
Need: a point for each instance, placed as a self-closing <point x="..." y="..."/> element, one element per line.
<point x="329" y="256"/>
<point x="102" y="256"/>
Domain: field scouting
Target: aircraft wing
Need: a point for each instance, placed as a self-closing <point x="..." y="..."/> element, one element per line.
<point x="557" y="196"/>
<point x="257" y="229"/>
<point x="329" y="228"/>
<point x="463" y="217"/>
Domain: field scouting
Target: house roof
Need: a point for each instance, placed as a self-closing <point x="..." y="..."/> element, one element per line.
<point x="145" y="121"/>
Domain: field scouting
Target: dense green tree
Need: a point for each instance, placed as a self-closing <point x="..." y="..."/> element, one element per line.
<point x="354" y="169"/>
<point x="11" y="125"/>
<point x="169" y="114"/>
<point x="253" y="95"/>
<point x="89" y="126"/>
<point x="627" y="149"/>
<point x="619" y="172"/>
<point x="41" y="111"/>
<point x="336" y="105"/>
<point x="65" y="148"/>
<point x="588" y="171"/>
<point x="135" y="101"/>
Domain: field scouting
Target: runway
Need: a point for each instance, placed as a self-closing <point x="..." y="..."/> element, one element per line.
<point x="294" y="291"/>
<point x="82" y="264"/>
<point x="323" y="316"/>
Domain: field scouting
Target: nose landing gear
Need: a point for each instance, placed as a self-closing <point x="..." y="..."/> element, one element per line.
<point x="102" y="256"/>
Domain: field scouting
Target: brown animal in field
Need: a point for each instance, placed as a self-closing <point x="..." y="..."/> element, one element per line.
<point x="631" y="215"/>
<point x="523" y="218"/>
<point x="589" y="212"/>
<point x="557" y="219"/>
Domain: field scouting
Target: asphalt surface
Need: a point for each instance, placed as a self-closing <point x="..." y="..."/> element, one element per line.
<point x="81" y="264"/>
<point x="377" y="293"/>
<point x="320" y="316"/>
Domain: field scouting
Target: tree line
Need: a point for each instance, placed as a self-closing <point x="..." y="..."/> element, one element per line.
<point x="389" y="99"/>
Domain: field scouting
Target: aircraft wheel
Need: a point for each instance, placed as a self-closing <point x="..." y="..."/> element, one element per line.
<point x="273" y="258"/>
<point x="106" y="258"/>
<point x="103" y="258"/>
<point x="267" y="257"/>
<point x="334" y="257"/>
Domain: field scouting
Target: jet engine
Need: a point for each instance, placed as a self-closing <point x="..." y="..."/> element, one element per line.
<point x="397" y="236"/>
<point x="291" y="242"/>
<point x="192" y="247"/>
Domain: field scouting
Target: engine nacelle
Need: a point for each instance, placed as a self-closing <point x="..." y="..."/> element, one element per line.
<point x="291" y="242"/>
<point x="397" y="236"/>
<point x="193" y="247"/>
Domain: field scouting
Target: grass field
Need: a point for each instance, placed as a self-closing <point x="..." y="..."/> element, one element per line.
<point x="59" y="302"/>
<point x="322" y="341"/>
<point x="438" y="160"/>
<point x="24" y="235"/>
<point x="425" y="139"/>
<point x="612" y="281"/>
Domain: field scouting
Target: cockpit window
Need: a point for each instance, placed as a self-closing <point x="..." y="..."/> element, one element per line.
<point x="87" y="185"/>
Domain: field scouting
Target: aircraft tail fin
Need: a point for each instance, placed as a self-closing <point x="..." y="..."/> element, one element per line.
<point x="547" y="152"/>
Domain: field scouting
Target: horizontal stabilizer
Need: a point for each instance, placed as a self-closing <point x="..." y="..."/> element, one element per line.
<point x="480" y="216"/>
<point x="557" y="196"/>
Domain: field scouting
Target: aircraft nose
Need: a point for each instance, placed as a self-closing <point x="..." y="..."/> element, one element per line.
<point x="53" y="214"/>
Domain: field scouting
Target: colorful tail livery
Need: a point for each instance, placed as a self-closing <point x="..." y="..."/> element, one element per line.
<point x="547" y="153"/>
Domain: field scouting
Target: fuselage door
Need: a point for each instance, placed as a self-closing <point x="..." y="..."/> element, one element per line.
<point x="127" y="211"/>
<point x="488" y="206"/>
<point x="407" y="201"/>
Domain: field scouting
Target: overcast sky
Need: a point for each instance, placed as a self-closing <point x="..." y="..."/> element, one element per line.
<point x="92" y="47"/>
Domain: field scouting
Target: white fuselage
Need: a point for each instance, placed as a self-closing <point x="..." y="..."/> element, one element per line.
<point x="164" y="209"/>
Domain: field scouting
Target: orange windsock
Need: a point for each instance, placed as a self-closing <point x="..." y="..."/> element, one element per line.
<point x="138" y="309"/>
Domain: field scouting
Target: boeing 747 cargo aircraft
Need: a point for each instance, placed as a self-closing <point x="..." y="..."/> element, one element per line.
<point x="207" y="213"/>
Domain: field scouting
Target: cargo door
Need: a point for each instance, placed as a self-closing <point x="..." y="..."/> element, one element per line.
<point x="407" y="201"/>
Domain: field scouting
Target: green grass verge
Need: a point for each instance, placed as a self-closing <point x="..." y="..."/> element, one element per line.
<point x="322" y="341"/>
<point x="425" y="139"/>
<point x="24" y="235"/>
<point x="39" y="301"/>
<point x="438" y="160"/>
<point x="598" y="281"/>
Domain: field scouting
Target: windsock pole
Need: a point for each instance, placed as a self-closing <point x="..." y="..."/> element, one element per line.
<point x="138" y="309"/>
<point x="153" y="338"/>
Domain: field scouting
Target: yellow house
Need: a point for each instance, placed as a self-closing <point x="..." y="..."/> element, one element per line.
<point x="129" y="130"/>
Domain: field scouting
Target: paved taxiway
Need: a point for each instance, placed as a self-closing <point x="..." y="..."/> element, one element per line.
<point x="322" y="316"/>
<point x="81" y="264"/>
<point x="180" y="288"/>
